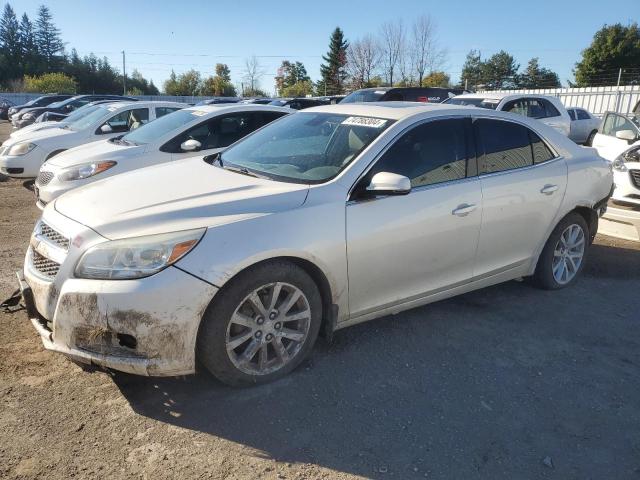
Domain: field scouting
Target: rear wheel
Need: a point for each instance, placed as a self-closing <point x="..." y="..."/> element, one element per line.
<point x="564" y="254"/>
<point x="260" y="326"/>
<point x="590" y="138"/>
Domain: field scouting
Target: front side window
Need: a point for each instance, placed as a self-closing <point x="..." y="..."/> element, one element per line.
<point x="503" y="146"/>
<point x="128" y="120"/>
<point x="431" y="153"/>
<point x="614" y="123"/>
<point x="582" y="115"/>
<point x="217" y="132"/>
<point x="306" y="147"/>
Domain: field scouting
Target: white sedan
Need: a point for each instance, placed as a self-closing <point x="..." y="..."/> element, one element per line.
<point x="549" y="110"/>
<point x="584" y="125"/>
<point x="325" y="218"/>
<point x="207" y="129"/>
<point x="618" y="140"/>
<point x="23" y="156"/>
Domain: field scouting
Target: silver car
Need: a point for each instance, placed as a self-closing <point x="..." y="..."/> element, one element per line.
<point x="323" y="219"/>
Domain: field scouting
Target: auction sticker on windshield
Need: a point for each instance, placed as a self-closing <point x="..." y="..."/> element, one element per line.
<point x="365" y="122"/>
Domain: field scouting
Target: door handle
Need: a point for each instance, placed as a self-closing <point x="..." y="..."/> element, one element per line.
<point x="549" y="189"/>
<point x="464" y="209"/>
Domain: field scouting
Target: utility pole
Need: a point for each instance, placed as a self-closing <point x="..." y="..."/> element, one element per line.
<point x="124" y="75"/>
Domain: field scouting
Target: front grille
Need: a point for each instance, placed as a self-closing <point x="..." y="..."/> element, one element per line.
<point x="635" y="177"/>
<point x="54" y="236"/>
<point x="44" y="178"/>
<point x="42" y="264"/>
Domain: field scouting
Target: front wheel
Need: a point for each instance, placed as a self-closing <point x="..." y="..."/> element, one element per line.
<point x="260" y="326"/>
<point x="564" y="254"/>
<point x="590" y="138"/>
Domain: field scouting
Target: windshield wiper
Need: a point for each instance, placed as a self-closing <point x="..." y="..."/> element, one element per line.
<point x="242" y="171"/>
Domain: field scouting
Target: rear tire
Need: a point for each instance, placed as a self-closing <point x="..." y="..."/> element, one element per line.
<point x="247" y="336"/>
<point x="589" y="141"/>
<point x="563" y="256"/>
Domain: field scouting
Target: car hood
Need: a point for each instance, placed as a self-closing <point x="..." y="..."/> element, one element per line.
<point x="175" y="196"/>
<point x="34" y="127"/>
<point x="95" y="151"/>
<point x="35" y="110"/>
<point x="40" y="135"/>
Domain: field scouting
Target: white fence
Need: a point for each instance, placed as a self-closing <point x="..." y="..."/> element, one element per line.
<point x="597" y="100"/>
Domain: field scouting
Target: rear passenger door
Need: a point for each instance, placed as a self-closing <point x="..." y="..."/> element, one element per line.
<point x="523" y="183"/>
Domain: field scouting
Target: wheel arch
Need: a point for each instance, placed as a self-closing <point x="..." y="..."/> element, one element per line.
<point x="329" y="309"/>
<point x="55" y="152"/>
<point x="591" y="217"/>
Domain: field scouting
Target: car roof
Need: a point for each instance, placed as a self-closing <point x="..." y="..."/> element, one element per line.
<point x="233" y="107"/>
<point x="388" y="110"/>
<point x="502" y="95"/>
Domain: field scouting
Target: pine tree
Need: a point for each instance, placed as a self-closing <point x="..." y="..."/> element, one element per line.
<point x="334" y="72"/>
<point x="10" y="54"/>
<point x="48" y="38"/>
<point x="28" y="47"/>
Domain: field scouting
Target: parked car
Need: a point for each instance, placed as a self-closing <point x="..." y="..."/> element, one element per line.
<point x="22" y="157"/>
<point x="218" y="100"/>
<point x="407" y="94"/>
<point x="548" y="110"/>
<point x="5" y="105"/>
<point x="28" y="115"/>
<point x="51" y="116"/>
<point x="42" y="101"/>
<point x="584" y="125"/>
<point x="240" y="260"/>
<point x="72" y="117"/>
<point x="299" y="103"/>
<point x="618" y="140"/>
<point x="258" y="101"/>
<point x="194" y="130"/>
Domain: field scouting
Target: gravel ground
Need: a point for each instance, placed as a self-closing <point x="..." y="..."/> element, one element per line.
<point x="507" y="382"/>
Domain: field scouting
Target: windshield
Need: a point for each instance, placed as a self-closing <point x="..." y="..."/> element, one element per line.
<point x="490" y="103"/>
<point x="306" y="147"/>
<point x="364" y="96"/>
<point x="87" y="120"/>
<point x="159" y="128"/>
<point x="81" y="112"/>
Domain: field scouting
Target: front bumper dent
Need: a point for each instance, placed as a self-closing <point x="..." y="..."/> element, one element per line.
<point x="146" y="327"/>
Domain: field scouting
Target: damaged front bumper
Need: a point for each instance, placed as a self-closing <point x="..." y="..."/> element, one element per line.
<point x="146" y="326"/>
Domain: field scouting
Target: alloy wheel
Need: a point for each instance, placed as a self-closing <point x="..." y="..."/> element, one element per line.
<point x="568" y="254"/>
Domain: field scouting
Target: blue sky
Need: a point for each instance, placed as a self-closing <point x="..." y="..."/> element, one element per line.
<point x="161" y="35"/>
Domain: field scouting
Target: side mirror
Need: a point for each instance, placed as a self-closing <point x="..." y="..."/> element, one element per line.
<point x="190" y="145"/>
<point x="628" y="135"/>
<point x="106" y="128"/>
<point x="386" y="183"/>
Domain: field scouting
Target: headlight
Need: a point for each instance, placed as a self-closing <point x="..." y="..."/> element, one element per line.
<point x="27" y="116"/>
<point x="136" y="257"/>
<point x="21" y="149"/>
<point x="618" y="165"/>
<point x="86" y="170"/>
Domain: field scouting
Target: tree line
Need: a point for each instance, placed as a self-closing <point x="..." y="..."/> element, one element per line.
<point x="33" y="58"/>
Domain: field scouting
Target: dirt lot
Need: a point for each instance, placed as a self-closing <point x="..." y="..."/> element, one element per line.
<point x="508" y="382"/>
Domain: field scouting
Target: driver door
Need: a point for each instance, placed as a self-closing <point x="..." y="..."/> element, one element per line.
<point x="403" y="247"/>
<point x="608" y="145"/>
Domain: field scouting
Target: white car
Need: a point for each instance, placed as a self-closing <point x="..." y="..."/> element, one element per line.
<point x="323" y="219"/>
<point x="584" y="125"/>
<point x="72" y="117"/>
<point x="618" y="140"/>
<point x="206" y="129"/>
<point x="22" y="157"/>
<point x="549" y="110"/>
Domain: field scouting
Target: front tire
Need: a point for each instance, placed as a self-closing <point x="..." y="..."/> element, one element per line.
<point x="261" y="325"/>
<point x="564" y="254"/>
<point x="590" y="138"/>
